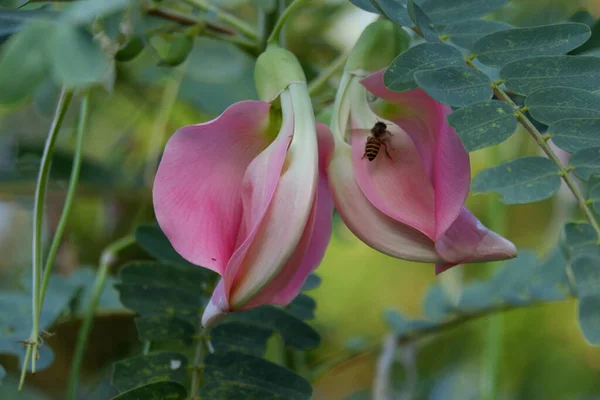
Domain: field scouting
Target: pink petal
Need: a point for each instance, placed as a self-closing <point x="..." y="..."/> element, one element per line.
<point x="217" y="308"/>
<point x="370" y="225"/>
<point x="196" y="193"/>
<point x="444" y="157"/>
<point x="397" y="185"/>
<point x="468" y="240"/>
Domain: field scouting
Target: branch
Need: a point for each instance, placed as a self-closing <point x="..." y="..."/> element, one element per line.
<point x="184" y="19"/>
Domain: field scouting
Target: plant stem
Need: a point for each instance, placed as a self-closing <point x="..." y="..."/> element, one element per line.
<point x="231" y="19"/>
<point x="186" y="20"/>
<point x="316" y="85"/>
<point x="197" y="363"/>
<point x="38" y="216"/>
<point x="541" y="141"/>
<point x="106" y="260"/>
<point x="71" y="190"/>
<point x="283" y="18"/>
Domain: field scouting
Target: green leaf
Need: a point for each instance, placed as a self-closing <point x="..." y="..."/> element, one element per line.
<point x="437" y="305"/>
<point x="500" y="48"/>
<point x="550" y="281"/>
<point x="154" y="367"/>
<point x="312" y="282"/>
<point x="163" y="327"/>
<point x="580" y="239"/>
<point x="23" y="63"/>
<point x="531" y="74"/>
<point x="12" y="21"/>
<point x="169" y="301"/>
<point x="155" y="243"/>
<point x="456" y="86"/>
<point x="77" y="60"/>
<point x="511" y="281"/>
<point x="85" y="11"/>
<point x="525" y="180"/>
<point x="295" y="332"/>
<point x="189" y="278"/>
<point x="422" y="21"/>
<point x="594" y="193"/>
<point x="241" y="337"/>
<point x="399" y="76"/>
<point x="402" y="326"/>
<point x="576" y="134"/>
<point x="589" y="318"/>
<point x="397" y="11"/>
<point x="367" y="5"/>
<point x="232" y="376"/>
<point x="466" y="33"/>
<point x="552" y="104"/>
<point x="155" y="391"/>
<point x="586" y="162"/>
<point x="586" y="272"/>
<point x="484" y="124"/>
<point x="593" y="43"/>
<point x="476" y="296"/>
<point x="443" y="12"/>
<point x="302" y="307"/>
<point x="583" y="17"/>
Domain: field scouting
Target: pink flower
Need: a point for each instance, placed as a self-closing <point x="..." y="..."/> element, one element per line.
<point x="242" y="195"/>
<point x="409" y="205"/>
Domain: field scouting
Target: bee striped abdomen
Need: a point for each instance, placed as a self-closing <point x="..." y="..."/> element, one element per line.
<point x="372" y="148"/>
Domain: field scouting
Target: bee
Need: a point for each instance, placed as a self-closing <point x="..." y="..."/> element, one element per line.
<point x="375" y="140"/>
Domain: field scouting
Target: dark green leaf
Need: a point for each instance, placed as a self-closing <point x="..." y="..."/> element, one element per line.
<point x="589" y="318"/>
<point x="580" y="239"/>
<point x="552" y="104"/>
<point x="155" y="243"/>
<point x="466" y="33"/>
<point x="11" y="21"/>
<point x="594" y="41"/>
<point x="586" y="272"/>
<point x="234" y="376"/>
<point x="163" y="327"/>
<point x="484" y="124"/>
<point x="500" y="48"/>
<point x="525" y="180"/>
<point x="397" y="11"/>
<point x="295" y="332"/>
<point x="170" y="301"/>
<point x="586" y="162"/>
<point x="23" y="63"/>
<point x="531" y="74"/>
<point x="180" y="47"/>
<point x="457" y="86"/>
<point x="422" y="21"/>
<point x="189" y="278"/>
<point x="476" y="296"/>
<point x="312" y="282"/>
<point x="443" y="12"/>
<point x="437" y="305"/>
<point x="155" y="391"/>
<point x="131" y="50"/>
<point x="240" y="337"/>
<point x="367" y="5"/>
<point x="583" y="17"/>
<point x="77" y="60"/>
<point x="594" y="193"/>
<point x="154" y="367"/>
<point x="302" y="307"/>
<point x="576" y="134"/>
<point x="85" y="11"/>
<point x="399" y="76"/>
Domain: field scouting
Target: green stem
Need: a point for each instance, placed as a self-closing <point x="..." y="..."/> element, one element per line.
<point x="147" y="346"/>
<point x="231" y="19"/>
<point x="106" y="260"/>
<point x="197" y="363"/>
<point x="320" y="82"/>
<point x="71" y="190"/>
<point x="539" y="139"/>
<point x="38" y="216"/>
<point x="283" y="18"/>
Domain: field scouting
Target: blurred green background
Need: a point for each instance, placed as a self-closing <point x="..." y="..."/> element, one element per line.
<point x="539" y="351"/>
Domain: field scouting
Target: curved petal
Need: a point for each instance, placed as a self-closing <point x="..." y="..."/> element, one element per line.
<point x="396" y="184"/>
<point x="370" y="225"/>
<point x="273" y="240"/>
<point x="468" y="240"/>
<point x="196" y="191"/>
<point x="217" y="308"/>
<point x="443" y="154"/>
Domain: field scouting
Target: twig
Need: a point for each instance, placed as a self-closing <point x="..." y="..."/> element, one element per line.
<point x="186" y="20"/>
<point x="230" y="19"/>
